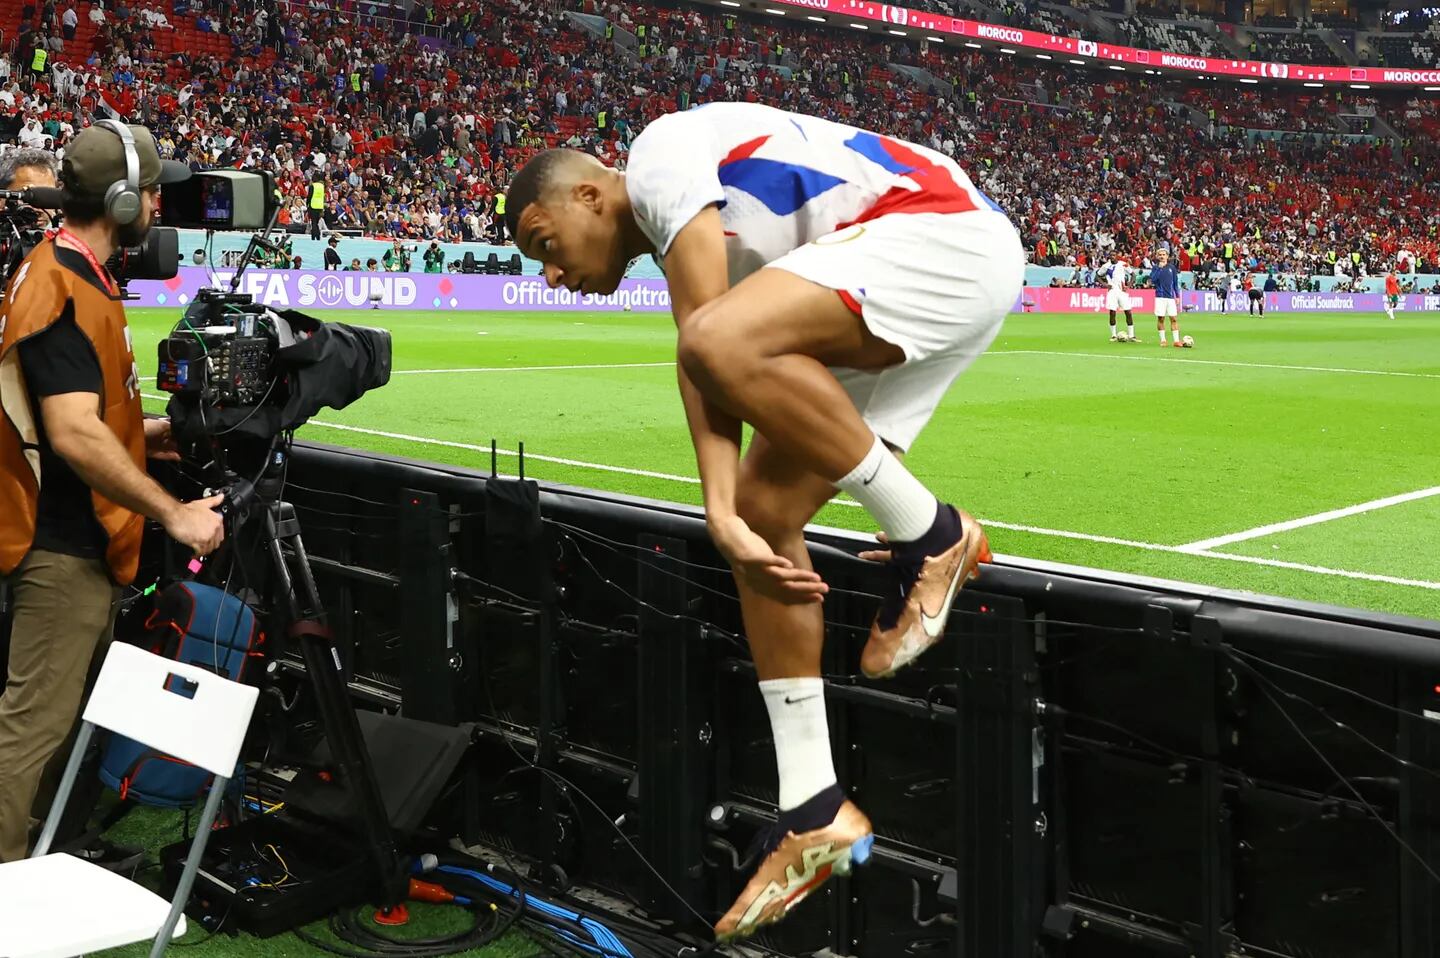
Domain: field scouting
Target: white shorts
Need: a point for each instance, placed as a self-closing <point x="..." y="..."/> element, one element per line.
<point x="1165" y="307"/>
<point x="1117" y="299"/>
<point x="937" y="285"/>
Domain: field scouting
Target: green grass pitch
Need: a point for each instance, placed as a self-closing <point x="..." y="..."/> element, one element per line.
<point x="1072" y="448"/>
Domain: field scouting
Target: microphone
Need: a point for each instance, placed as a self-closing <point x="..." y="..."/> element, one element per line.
<point x="44" y="197"/>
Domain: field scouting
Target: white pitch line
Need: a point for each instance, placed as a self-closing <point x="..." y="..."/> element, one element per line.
<point x="1205" y="545"/>
<point x="1213" y="362"/>
<point x="526" y="369"/>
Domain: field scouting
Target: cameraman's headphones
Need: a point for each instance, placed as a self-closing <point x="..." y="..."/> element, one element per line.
<point x="122" y="199"/>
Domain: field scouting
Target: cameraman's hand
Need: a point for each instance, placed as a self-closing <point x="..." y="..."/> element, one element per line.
<point x="197" y="525"/>
<point x="159" y="443"/>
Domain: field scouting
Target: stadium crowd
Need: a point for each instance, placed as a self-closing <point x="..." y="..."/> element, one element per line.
<point x="416" y="136"/>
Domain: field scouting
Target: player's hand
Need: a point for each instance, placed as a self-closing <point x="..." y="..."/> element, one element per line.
<point x="197" y="525"/>
<point x="159" y="442"/>
<point x="760" y="568"/>
<point x="878" y="555"/>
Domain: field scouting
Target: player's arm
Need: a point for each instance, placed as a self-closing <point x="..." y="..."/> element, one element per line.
<point x="697" y="273"/>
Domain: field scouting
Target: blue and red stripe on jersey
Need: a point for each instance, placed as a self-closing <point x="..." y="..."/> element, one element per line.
<point x="939" y="191"/>
<point x="781" y="187"/>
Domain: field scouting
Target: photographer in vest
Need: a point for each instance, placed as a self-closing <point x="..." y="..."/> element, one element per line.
<point x="74" y="493"/>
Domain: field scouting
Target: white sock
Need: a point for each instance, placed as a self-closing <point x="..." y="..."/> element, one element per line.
<point x="1162" y="337"/>
<point x="904" y="508"/>
<point x="1130" y="330"/>
<point x="802" y="738"/>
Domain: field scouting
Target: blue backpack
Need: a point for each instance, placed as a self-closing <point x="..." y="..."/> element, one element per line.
<point x="207" y="628"/>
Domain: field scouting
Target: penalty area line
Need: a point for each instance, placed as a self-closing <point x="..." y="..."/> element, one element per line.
<point x="1274" y="528"/>
<point x="1016" y="527"/>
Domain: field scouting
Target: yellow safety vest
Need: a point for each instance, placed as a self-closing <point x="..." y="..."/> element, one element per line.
<point x="317" y="196"/>
<point x="355" y="82"/>
<point x="38" y="62"/>
<point x="499" y="204"/>
<point x="600" y="120"/>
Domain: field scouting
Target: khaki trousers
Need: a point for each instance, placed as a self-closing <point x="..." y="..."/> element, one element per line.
<point x="64" y="612"/>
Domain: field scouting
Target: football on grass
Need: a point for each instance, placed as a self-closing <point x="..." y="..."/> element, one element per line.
<point x="1188" y="342"/>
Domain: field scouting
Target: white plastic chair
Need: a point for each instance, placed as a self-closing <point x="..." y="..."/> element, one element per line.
<point x="57" y="906"/>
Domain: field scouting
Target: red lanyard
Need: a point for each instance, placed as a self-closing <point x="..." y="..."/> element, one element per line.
<point x="84" y="249"/>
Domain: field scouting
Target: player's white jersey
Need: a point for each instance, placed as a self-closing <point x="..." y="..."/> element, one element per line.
<point x="1118" y="274"/>
<point x="782" y="180"/>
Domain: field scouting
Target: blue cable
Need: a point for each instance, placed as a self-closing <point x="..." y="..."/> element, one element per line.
<point x="606" y="943"/>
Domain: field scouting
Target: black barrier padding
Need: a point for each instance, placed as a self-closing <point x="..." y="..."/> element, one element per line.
<point x="595" y="665"/>
<point x="1314" y="880"/>
<point x="509" y="658"/>
<point x="1082" y="743"/>
<point x="1267" y="748"/>
<point x="1149" y="688"/>
<point x="1134" y="846"/>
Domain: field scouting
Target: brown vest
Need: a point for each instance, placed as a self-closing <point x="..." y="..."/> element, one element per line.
<point x="35" y="299"/>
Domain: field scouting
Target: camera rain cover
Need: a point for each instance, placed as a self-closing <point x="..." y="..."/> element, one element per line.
<point x="316" y="365"/>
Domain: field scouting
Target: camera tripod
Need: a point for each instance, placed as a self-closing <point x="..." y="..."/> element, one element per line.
<point x="258" y="510"/>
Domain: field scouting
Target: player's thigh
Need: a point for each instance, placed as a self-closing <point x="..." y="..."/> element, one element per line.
<point x="773" y="312"/>
<point x="775" y="494"/>
<point x="928" y="283"/>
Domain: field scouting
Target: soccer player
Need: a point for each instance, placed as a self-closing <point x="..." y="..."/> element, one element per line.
<point x="1256" y="296"/>
<point x="1392" y="292"/>
<point x="1117" y="299"/>
<point x="828" y="285"/>
<point x="1166" y="280"/>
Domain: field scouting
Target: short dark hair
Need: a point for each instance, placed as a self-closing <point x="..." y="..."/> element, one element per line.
<point x="533" y="182"/>
<point x="13" y="161"/>
<point x="83" y="208"/>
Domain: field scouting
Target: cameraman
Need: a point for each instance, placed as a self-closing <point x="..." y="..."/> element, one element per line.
<point x="434" y="258"/>
<point x="24" y="167"/>
<point x="74" y="493"/>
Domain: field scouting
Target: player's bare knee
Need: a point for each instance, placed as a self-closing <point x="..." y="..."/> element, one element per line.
<point x="712" y="356"/>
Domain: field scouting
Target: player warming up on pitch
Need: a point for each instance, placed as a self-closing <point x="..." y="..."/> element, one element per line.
<point x="1392" y="293"/>
<point x="1116" y="273"/>
<point x="1166" y="280"/>
<point x="828" y="285"/>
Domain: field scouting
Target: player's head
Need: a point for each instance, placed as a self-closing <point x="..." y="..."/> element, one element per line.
<point x="566" y="209"/>
<point x="1163" y="256"/>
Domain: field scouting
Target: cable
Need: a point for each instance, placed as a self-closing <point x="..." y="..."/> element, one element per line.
<point x="1330" y="685"/>
<point x="1265" y="684"/>
<point x="1373" y="745"/>
<point x="528" y="764"/>
<point x="251" y="414"/>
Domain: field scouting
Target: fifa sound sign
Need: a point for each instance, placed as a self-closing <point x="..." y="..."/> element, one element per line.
<point x="1087" y="48"/>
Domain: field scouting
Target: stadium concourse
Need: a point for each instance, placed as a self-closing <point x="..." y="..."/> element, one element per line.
<point x="420" y="123"/>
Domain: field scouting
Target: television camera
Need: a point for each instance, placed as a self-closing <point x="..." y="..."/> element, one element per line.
<point x="240" y="373"/>
<point x="22" y="229"/>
